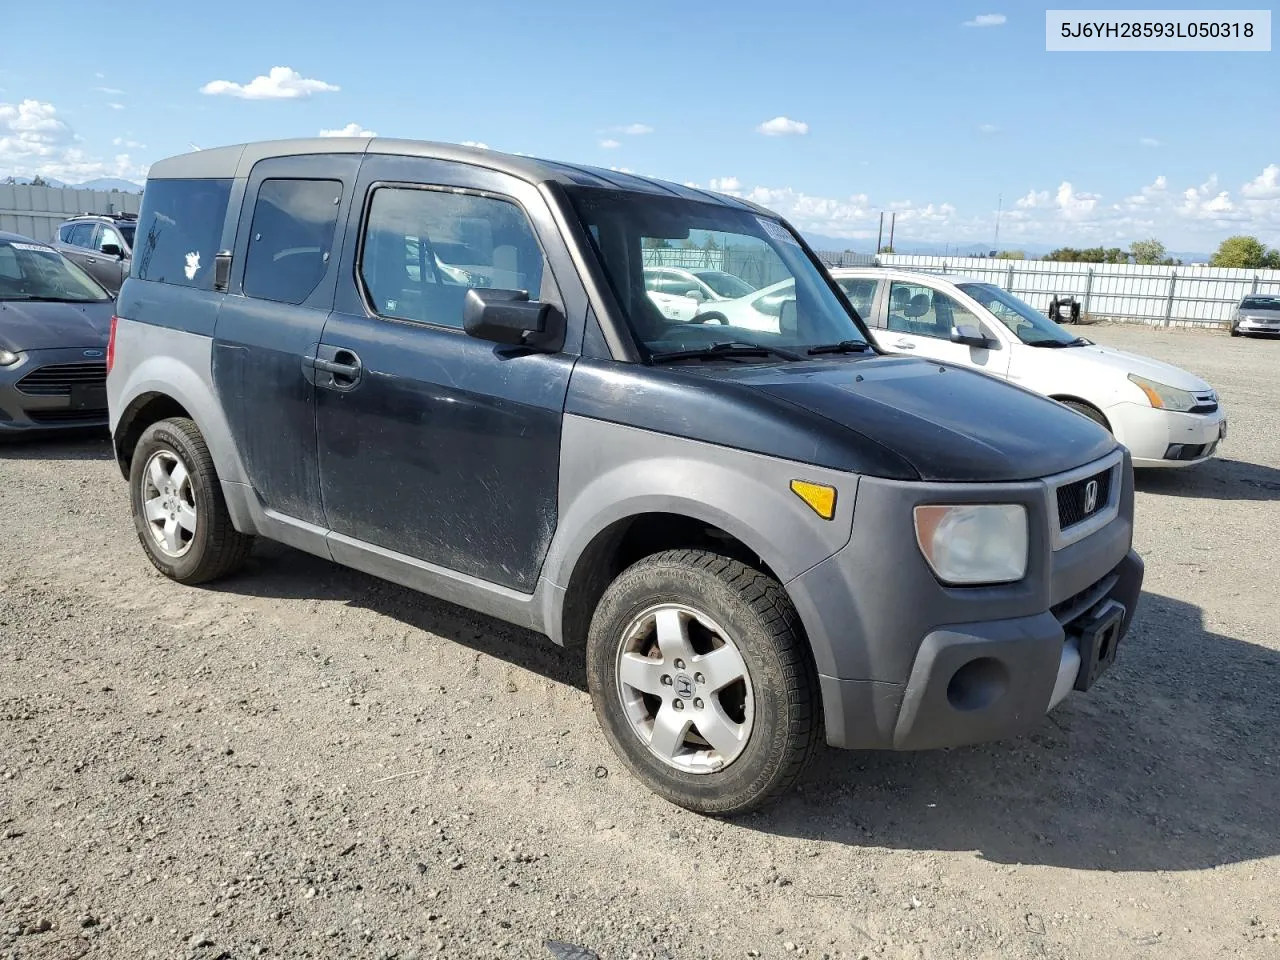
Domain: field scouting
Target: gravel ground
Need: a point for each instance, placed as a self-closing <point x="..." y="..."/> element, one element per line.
<point x="305" y="761"/>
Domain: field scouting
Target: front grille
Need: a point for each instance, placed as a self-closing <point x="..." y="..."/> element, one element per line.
<point x="56" y="380"/>
<point x="1072" y="499"/>
<point x="67" y="416"/>
<point x="1204" y="406"/>
<point x="1189" y="451"/>
<point x="1076" y="606"/>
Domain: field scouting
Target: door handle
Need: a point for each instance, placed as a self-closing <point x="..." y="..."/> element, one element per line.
<point x="344" y="367"/>
<point x="90" y="260"/>
<point x="904" y="345"/>
<point x="348" y="370"/>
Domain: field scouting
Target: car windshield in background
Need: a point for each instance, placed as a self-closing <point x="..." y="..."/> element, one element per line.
<point x="788" y="305"/>
<point x="31" y="271"/>
<point x="1026" y="323"/>
<point x="725" y="284"/>
<point x="1260" y="303"/>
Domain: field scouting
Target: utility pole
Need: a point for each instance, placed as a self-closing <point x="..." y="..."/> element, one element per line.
<point x="999" y="207"/>
<point x="880" y="232"/>
<point x="893" y="219"/>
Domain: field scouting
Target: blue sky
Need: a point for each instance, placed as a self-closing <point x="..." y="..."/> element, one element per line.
<point x="911" y="107"/>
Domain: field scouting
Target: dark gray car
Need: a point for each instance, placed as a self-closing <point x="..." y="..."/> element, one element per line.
<point x="101" y="244"/>
<point x="54" y="322"/>
<point x="1257" y="313"/>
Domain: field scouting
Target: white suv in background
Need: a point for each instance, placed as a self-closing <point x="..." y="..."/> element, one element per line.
<point x="680" y="292"/>
<point x="1164" y="415"/>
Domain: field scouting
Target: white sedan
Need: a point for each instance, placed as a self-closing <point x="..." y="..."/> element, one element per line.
<point x="1166" y="416"/>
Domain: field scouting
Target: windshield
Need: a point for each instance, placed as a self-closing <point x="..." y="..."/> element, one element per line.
<point x="1026" y="323"/>
<point x="1260" y="303"/>
<point x="631" y="231"/>
<point x="31" y="271"/>
<point x="725" y="284"/>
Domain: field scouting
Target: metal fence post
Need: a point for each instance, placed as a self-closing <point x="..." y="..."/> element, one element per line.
<point x="1088" y="289"/>
<point x="1254" y="288"/>
<point x="1009" y="285"/>
<point x="1168" y="306"/>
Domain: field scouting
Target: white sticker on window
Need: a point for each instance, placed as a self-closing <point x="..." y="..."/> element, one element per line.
<point x="193" y="265"/>
<point x="777" y="231"/>
<point x="30" y="246"/>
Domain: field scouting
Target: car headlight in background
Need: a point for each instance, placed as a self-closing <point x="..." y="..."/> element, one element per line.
<point x="8" y="358"/>
<point x="968" y="544"/>
<point x="1162" y="396"/>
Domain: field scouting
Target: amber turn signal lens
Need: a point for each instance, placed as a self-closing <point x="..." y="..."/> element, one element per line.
<point x="820" y="497"/>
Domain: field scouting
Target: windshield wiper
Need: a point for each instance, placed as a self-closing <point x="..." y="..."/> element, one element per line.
<point x="727" y="348"/>
<point x="1058" y="344"/>
<point x="34" y="298"/>
<point x="844" y="346"/>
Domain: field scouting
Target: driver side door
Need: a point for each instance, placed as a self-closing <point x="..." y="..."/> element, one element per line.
<point x="671" y="294"/>
<point x="920" y="324"/>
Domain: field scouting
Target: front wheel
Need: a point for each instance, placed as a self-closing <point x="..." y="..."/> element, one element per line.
<point x="178" y="509"/>
<point x="702" y="682"/>
<point x="1093" y="413"/>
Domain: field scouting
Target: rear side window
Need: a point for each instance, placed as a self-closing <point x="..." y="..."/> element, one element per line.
<point x="180" y="230"/>
<point x="424" y="249"/>
<point x="861" y="293"/>
<point x="80" y="235"/>
<point x="291" y="239"/>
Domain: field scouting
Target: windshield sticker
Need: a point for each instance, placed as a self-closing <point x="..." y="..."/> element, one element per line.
<point x="777" y="231"/>
<point x="193" y="265"/>
<point x="30" y="246"/>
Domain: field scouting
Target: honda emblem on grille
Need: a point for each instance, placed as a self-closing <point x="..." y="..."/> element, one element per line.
<point x="1091" y="496"/>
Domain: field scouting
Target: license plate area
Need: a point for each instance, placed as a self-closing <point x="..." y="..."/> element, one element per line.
<point x="88" y="396"/>
<point x="1098" y="636"/>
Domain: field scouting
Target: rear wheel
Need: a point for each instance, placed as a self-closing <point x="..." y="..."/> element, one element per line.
<point x="700" y="677"/>
<point x="178" y="508"/>
<point x="1093" y="413"/>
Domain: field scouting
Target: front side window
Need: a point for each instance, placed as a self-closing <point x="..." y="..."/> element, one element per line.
<point x="109" y="237"/>
<point x="291" y="238"/>
<point x="1023" y="320"/>
<point x="925" y="312"/>
<point x="180" y="230"/>
<point x="795" y="307"/>
<point x="424" y="249"/>
<point x="30" y="271"/>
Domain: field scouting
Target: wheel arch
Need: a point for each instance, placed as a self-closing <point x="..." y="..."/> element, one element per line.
<point x="1065" y="398"/>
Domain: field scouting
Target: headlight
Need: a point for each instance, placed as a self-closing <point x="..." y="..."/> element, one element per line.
<point x="970" y="544"/>
<point x="1162" y="396"/>
<point x="8" y="358"/>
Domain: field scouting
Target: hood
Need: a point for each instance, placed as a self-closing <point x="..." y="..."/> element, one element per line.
<point x="949" y="423"/>
<point x="25" y="325"/>
<point x="1127" y="363"/>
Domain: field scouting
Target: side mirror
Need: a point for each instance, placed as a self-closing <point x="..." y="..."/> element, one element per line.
<point x="507" y="317"/>
<point x="111" y="250"/>
<point x="969" y="335"/>
<point x="788" y="319"/>
<point x="696" y="294"/>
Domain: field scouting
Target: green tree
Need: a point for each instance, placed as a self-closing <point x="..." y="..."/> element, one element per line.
<point x="1147" y="251"/>
<point x="39" y="181"/>
<point x="1240" y="251"/>
<point x="655" y="243"/>
<point x="711" y="243"/>
<point x="1011" y="255"/>
<point x="1272" y="260"/>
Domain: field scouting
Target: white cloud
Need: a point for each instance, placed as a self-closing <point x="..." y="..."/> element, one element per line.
<point x="282" y="83"/>
<point x="1266" y="185"/>
<point x="1150" y="142"/>
<point x="987" y="20"/>
<point x="35" y="140"/>
<point x="350" y="130"/>
<point x="1075" y="206"/>
<point x="1033" y="199"/>
<point x="110" y="91"/>
<point x="783" y="126"/>
<point x="127" y="144"/>
<point x="116" y="106"/>
<point x="728" y="185"/>
<point x="634" y="129"/>
<point x="610" y="144"/>
<point x="479" y="145"/>
<point x="988" y="128"/>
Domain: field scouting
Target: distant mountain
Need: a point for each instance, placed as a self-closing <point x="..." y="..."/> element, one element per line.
<point x="48" y="181"/>
<point x="1033" y="251"/>
<point x="110" y="183"/>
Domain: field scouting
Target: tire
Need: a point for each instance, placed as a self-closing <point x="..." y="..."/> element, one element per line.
<point x="775" y="707"/>
<point x="1235" y="332"/>
<point x="203" y="547"/>
<point x="1093" y="413"/>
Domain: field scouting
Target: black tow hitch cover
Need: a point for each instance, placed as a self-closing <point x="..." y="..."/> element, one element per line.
<point x="1098" y="636"/>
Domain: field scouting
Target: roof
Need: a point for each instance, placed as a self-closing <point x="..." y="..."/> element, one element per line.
<point x="934" y="276"/>
<point x="236" y="161"/>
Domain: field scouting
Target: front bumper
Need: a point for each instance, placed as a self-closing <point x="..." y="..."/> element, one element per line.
<point x="51" y="405"/>
<point x="905" y="663"/>
<point x="1165" y="438"/>
<point x="1258" y="326"/>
